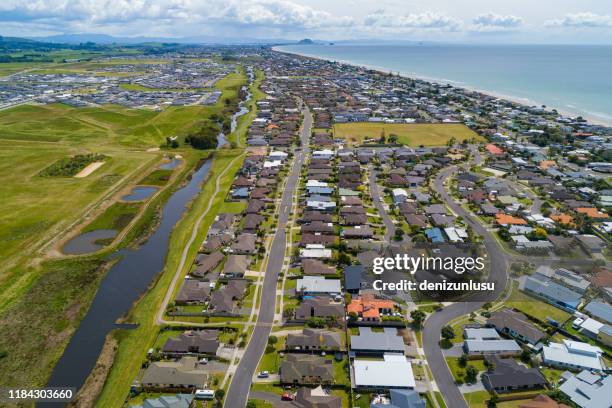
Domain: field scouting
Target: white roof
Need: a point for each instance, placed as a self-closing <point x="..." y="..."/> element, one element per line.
<point x="591" y="325"/>
<point x="316" y="183"/>
<point x="400" y="191"/>
<point x="572" y="353"/>
<point x="477" y="346"/>
<point x="272" y="163"/>
<point x="318" y="284"/>
<point x="479" y="334"/>
<point x="394" y="372"/>
<point x="316" y="253"/>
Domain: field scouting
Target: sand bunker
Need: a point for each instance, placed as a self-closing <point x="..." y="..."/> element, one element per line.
<point x="89" y="169"/>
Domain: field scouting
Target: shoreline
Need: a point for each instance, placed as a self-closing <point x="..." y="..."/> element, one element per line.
<point x="594" y="120"/>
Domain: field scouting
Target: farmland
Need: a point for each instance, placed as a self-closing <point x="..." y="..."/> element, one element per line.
<point x="408" y="134"/>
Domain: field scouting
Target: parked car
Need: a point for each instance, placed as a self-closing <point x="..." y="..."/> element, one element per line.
<point x="263" y="374"/>
<point x="286" y="397"/>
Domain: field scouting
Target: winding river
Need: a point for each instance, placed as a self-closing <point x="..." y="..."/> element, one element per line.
<point x="124" y="283"/>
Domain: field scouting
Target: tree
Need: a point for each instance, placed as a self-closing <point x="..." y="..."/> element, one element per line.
<point x="448" y="333"/>
<point x="525" y="356"/>
<point x="273" y="340"/>
<point x="219" y="394"/>
<point x="463" y="360"/>
<point x="470" y="374"/>
<point x="417" y="316"/>
<point x="399" y="234"/>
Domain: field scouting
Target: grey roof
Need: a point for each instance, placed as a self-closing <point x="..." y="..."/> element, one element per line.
<point x="588" y="390"/>
<point x="552" y="290"/>
<point x="492" y="346"/>
<point x="352" y="277"/>
<point x="600" y="310"/>
<point x="314" y="338"/>
<point x="385" y="341"/>
<point x="508" y="373"/>
<point x="167" y="401"/>
<point x="186" y="372"/>
<point x="403" y="399"/>
<point x="200" y="341"/>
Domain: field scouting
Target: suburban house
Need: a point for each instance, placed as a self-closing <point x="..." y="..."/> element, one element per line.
<point x="394" y="371"/>
<point x="319" y="306"/>
<point x="353" y="278"/>
<point x="372" y="343"/>
<point x="185" y="373"/>
<point x="314" y="339"/>
<point x="236" y="265"/>
<point x="193" y="292"/>
<point x="402" y="399"/>
<point x="167" y="401"/>
<point x="516" y="324"/>
<point x="572" y="355"/>
<point x="487" y="341"/>
<point x="306" y="369"/>
<point x="197" y="342"/>
<point x="370" y="308"/>
<point x="317" y="285"/>
<point x="316" y="398"/>
<point x="588" y="390"/>
<point x="508" y="375"/>
<point x="552" y="292"/>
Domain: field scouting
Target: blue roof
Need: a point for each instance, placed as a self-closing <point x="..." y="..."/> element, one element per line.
<point x="435" y="235"/>
<point x="320" y="190"/>
<point x="600" y="310"/>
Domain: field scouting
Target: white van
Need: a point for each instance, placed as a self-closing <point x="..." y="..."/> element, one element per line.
<point x="204" y="394"/>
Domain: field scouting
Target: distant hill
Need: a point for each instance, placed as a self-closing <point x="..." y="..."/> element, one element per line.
<point x="202" y="39"/>
<point x="306" y="41"/>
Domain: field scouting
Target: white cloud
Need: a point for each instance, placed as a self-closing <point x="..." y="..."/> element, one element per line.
<point x="496" y="22"/>
<point x="67" y="14"/>
<point x="279" y="13"/>
<point x="578" y="20"/>
<point x="427" y="20"/>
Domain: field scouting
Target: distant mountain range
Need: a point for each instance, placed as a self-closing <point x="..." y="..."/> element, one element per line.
<point x="109" y="39"/>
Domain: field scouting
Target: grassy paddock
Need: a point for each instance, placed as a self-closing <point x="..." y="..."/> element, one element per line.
<point x="410" y="134"/>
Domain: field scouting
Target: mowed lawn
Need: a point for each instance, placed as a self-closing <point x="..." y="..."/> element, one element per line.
<point x="535" y="307"/>
<point x="409" y="134"/>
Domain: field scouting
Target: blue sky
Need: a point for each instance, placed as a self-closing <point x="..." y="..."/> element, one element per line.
<point x="516" y="21"/>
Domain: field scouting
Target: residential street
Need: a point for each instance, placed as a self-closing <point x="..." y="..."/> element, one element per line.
<point x="238" y="391"/>
<point x="434" y="324"/>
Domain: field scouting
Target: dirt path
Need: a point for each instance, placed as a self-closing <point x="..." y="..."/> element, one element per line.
<point x="159" y="318"/>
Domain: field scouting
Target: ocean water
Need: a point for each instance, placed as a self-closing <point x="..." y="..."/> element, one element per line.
<point x="573" y="79"/>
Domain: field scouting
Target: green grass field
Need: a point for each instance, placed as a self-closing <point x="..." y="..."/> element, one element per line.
<point x="535" y="307"/>
<point x="458" y="372"/>
<point x="408" y="134"/>
<point x="42" y="301"/>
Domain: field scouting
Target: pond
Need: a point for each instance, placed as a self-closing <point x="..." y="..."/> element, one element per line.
<point x="88" y="242"/>
<point x="139" y="193"/>
<point x="171" y="165"/>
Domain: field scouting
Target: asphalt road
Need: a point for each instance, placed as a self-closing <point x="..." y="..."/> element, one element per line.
<point x="238" y="392"/>
<point x="434" y="324"/>
<point x="378" y="203"/>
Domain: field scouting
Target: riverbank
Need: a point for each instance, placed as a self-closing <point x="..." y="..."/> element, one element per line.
<point x="592" y="118"/>
<point x="133" y="344"/>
